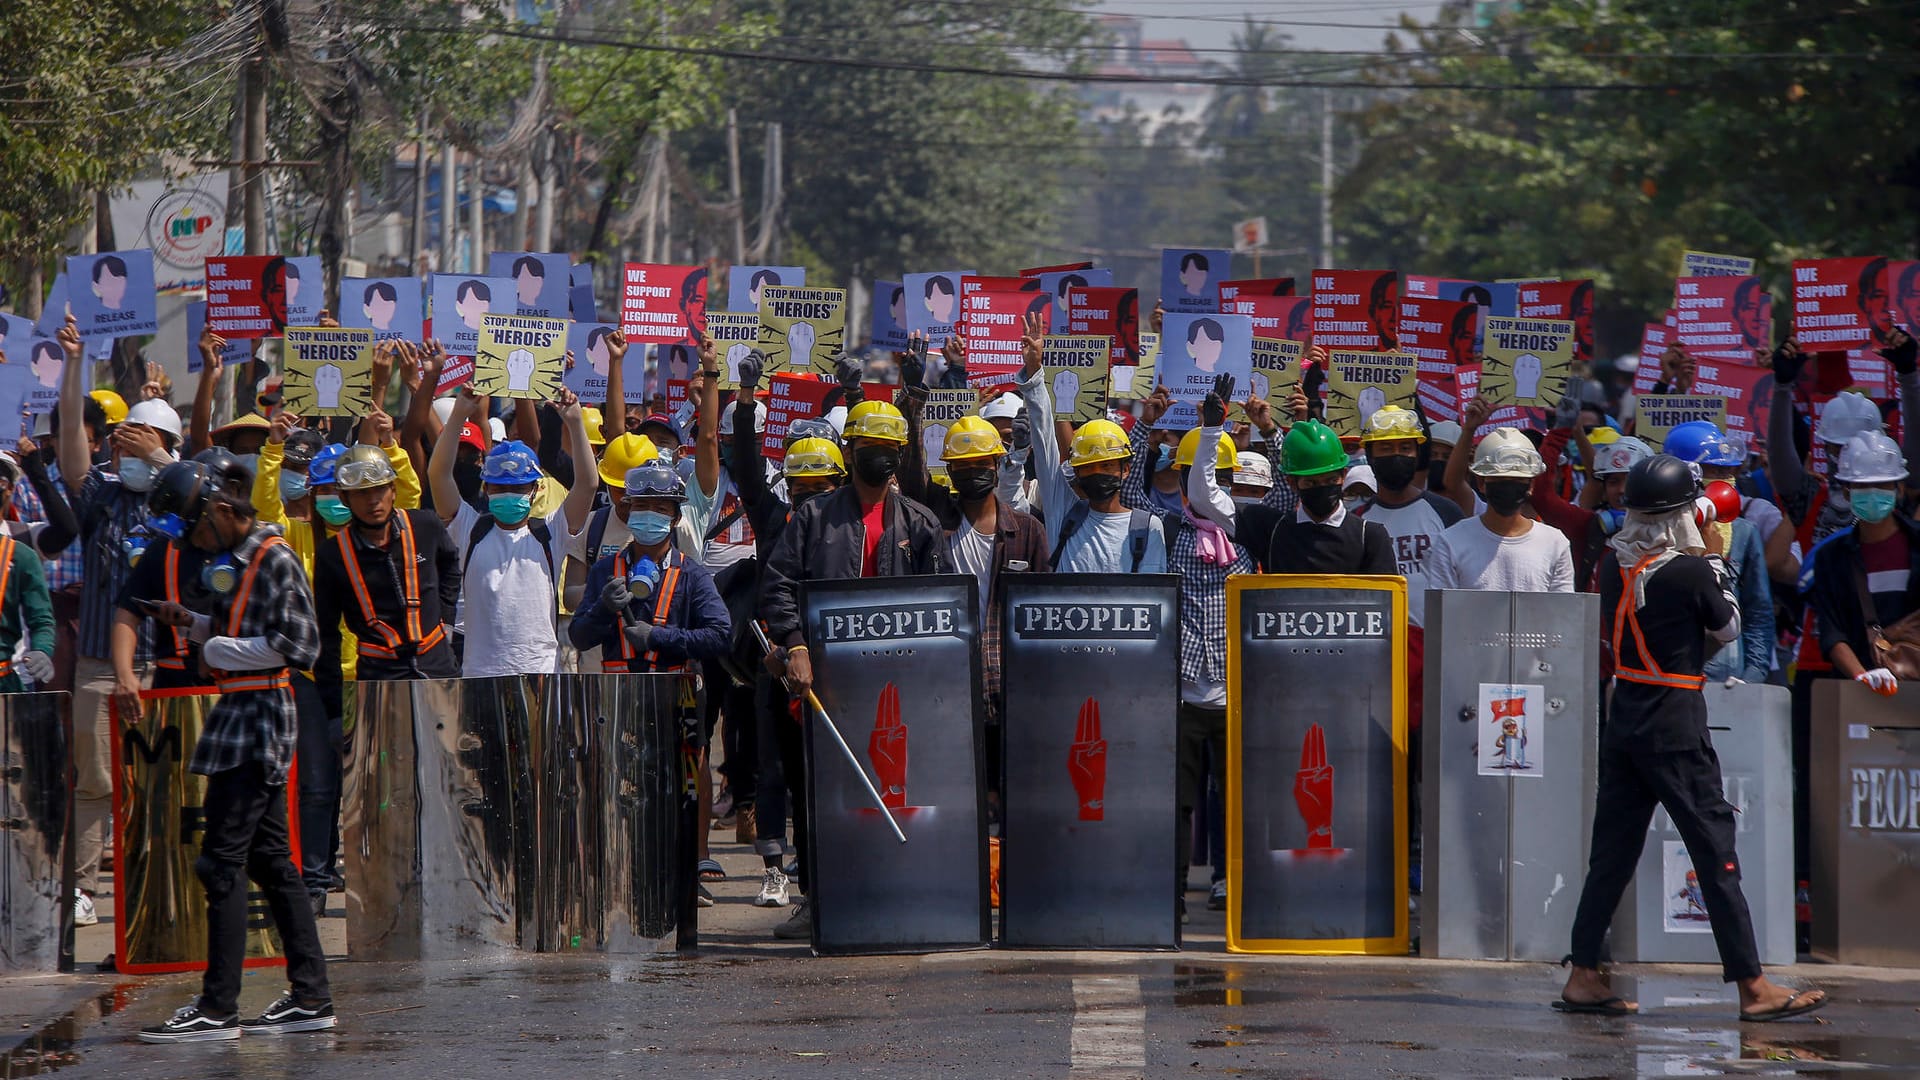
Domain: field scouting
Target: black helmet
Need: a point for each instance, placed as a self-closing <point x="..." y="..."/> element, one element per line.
<point x="302" y="445"/>
<point x="228" y="473"/>
<point x="1661" y="484"/>
<point x="179" y="496"/>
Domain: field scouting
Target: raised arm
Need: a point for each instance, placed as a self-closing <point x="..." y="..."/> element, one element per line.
<point x="613" y="414"/>
<point x="1784" y="470"/>
<point x="586" y="480"/>
<point x="706" y="403"/>
<point x="200" y="425"/>
<point x="75" y="456"/>
<point x="446" y="493"/>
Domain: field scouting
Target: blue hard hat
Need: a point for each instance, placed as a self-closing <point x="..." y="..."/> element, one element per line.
<point x="511" y="462"/>
<point x="320" y="470"/>
<point x="1703" y="443"/>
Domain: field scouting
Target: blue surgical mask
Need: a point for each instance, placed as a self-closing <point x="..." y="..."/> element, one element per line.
<point x="137" y="474"/>
<point x="649" y="527"/>
<point x="510" y="509"/>
<point x="1872" y="505"/>
<point x="1165" y="458"/>
<point x="331" y="509"/>
<point x="293" y="487"/>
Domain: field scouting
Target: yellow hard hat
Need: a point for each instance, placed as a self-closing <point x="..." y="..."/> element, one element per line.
<point x="876" y="420"/>
<point x="1602" y="436"/>
<point x="814" y="457"/>
<point x="972" y="437"/>
<point x="111" y="403"/>
<point x="592" y="418"/>
<point x="1390" y="422"/>
<point x="1099" y="440"/>
<point x="1190" y="445"/>
<point x="626" y="452"/>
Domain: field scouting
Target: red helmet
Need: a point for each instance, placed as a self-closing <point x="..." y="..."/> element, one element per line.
<point x="1124" y="419"/>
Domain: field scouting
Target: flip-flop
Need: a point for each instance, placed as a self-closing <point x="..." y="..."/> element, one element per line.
<point x="711" y="870"/>
<point x="1613" y="1006"/>
<point x="1785" y="1011"/>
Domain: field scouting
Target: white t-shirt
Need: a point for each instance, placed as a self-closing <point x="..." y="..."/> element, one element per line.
<point x="507" y="598"/>
<point x="736" y="541"/>
<point x="972" y="554"/>
<point x="1101" y="546"/>
<point x="1471" y="556"/>
<point x="1415" y="528"/>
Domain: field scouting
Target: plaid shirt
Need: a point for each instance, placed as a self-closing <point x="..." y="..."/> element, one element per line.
<point x="1203" y="603"/>
<point x="258" y="725"/>
<point x="65" y="569"/>
<point x="107" y="511"/>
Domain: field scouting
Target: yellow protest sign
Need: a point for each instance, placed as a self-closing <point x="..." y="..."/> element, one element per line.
<point x="1528" y="361"/>
<point x="802" y="328"/>
<point x="328" y="371"/>
<point x="942" y="409"/>
<point x="1276" y="371"/>
<point x="734" y="335"/>
<point x="1657" y="414"/>
<point x="1360" y="382"/>
<point x="520" y="356"/>
<point x="1076" y="371"/>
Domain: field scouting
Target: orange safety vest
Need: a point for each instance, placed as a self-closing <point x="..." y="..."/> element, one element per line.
<point x="7" y="544"/>
<point x="391" y="641"/>
<point x="1626" y="616"/>
<point x="662" y="606"/>
<point x="178" y="661"/>
<point x="252" y="680"/>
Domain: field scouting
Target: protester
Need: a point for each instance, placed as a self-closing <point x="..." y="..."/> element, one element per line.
<point x="26" y="611"/>
<point x="1749" y="659"/>
<point x="1320" y="537"/>
<point x="1503" y="550"/>
<point x="1864" y="576"/>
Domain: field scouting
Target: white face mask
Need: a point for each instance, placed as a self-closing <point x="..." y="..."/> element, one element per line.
<point x="138" y="474"/>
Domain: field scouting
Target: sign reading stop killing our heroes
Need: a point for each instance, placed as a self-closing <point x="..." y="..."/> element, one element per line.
<point x="328" y="371"/>
<point x="1707" y="264"/>
<point x="1089" y="793"/>
<point x="1276" y="371"/>
<point x="662" y="303"/>
<point x="734" y="334"/>
<point x="1316" y="783"/>
<point x="942" y="410"/>
<point x="802" y="329"/>
<point x="1196" y="350"/>
<point x="1841" y="304"/>
<point x="1527" y="362"/>
<point x="1190" y="279"/>
<point x="111" y="294"/>
<point x="1356" y="310"/>
<point x="1657" y="414"/>
<point x="1360" y="383"/>
<point x="1723" y="317"/>
<point x="520" y="357"/>
<point x="1568" y="300"/>
<point x="1076" y="371"/>
<point x="897" y="667"/>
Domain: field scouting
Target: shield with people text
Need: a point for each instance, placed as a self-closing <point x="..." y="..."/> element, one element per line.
<point x="1316" y="746"/>
<point x="896" y="667"/>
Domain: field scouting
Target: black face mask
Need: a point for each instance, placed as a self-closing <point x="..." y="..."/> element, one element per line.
<point x="876" y="464"/>
<point x="974" y="484"/>
<point x="467" y="479"/>
<point x="1320" y="501"/>
<point x="1099" y="487"/>
<point x="1395" y="471"/>
<point x="1505" y="497"/>
<point x="1436" y="476"/>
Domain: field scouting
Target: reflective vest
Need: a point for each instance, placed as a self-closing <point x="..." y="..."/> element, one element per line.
<point x="1627" y="617"/>
<point x="391" y="641"/>
<point x="7" y="546"/>
<point x="253" y="680"/>
<point x="171" y="579"/>
<point x="662" y="606"/>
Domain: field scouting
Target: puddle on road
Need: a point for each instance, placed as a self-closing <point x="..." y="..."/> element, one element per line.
<point x="57" y="1045"/>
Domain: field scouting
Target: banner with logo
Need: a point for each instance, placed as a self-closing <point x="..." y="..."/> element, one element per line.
<point x="1092" y="681"/>
<point x="896" y="664"/>
<point x="1316" y="782"/>
<point x="182" y="221"/>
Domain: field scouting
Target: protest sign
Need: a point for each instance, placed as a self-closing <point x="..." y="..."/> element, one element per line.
<point x="802" y="328"/>
<point x="460" y="301"/>
<point x="933" y="304"/>
<point x="1076" y="370"/>
<point x="942" y="409"/>
<point x="53" y="312"/>
<point x="390" y="307"/>
<point x="1287" y="318"/>
<point x="17" y="384"/>
<point x="1356" y="310"/>
<point x="889" y="326"/>
<point x="1904" y="280"/>
<point x="592" y="361"/>
<point x="1527" y="362"/>
<point x="1058" y="284"/>
<point x="634" y="371"/>
<point x="1110" y="313"/>
<point x="239" y="289"/>
<point x="542" y="282"/>
<point x="1655" y="337"/>
<point x="520" y="357"/>
<point x="734" y="334"/>
<point x="1196" y="350"/>
<point x="1360" y="382"/>
<point x="327" y="371"/>
<point x="1477" y="293"/>
<point x="672" y="363"/>
<point x="1657" y="414"/>
<point x="1441" y="335"/>
<point x="745" y="282"/>
<point x="993" y="326"/>
<point x="662" y="302"/>
<point x="1252" y="288"/>
<point x="182" y="220"/>
<point x="237" y="350"/>
<point x="1698" y="264"/>
<point x="790" y="397"/>
<point x="1841" y="304"/>
<point x="1467" y="378"/>
<point x="1276" y="371"/>
<point x="1190" y="279"/>
<point x="1747" y="390"/>
<point x="111" y="294"/>
<point x="1147" y="371"/>
<point x="1722" y="318"/>
<point x="306" y="289"/>
<point x="36" y="361"/>
<point x="1569" y="300"/>
<point x="1060" y="268"/>
<point x="580" y="301"/>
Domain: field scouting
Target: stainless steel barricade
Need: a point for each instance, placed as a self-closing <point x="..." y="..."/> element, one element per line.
<point x="1865" y="815"/>
<point x="36" y="765"/>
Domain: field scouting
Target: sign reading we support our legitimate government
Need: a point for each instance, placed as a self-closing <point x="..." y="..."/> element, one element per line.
<point x="520" y="357"/>
<point x="328" y="371"/>
<point x="661" y="302"/>
<point x="1841" y="304"/>
<point x="1528" y="361"/>
<point x="993" y="322"/>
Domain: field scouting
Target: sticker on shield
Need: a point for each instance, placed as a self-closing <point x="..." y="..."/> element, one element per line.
<point x="1682" y="909"/>
<point x="1510" y="742"/>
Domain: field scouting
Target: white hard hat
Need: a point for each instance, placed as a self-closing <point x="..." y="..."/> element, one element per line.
<point x="1254" y="470"/>
<point x="1871" y="458"/>
<point x="443" y="410"/>
<point x="837" y="416"/>
<point x="1847" y="415"/>
<point x="726" y="419"/>
<point x="1004" y="407"/>
<point x="497" y="429"/>
<point x="1446" y="431"/>
<point x="1507" y="454"/>
<point x="155" y="414"/>
<point x="1363" y="476"/>
<point x="1620" y="456"/>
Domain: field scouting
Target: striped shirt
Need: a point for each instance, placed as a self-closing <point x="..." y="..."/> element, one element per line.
<point x="65" y="569"/>
<point x="107" y="513"/>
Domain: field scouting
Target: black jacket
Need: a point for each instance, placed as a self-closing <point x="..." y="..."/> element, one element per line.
<point x="823" y="541"/>
<point x="1839" y="582"/>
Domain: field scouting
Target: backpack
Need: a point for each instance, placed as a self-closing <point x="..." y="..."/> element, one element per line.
<point x="537" y="526"/>
<point x="1137" y="526"/>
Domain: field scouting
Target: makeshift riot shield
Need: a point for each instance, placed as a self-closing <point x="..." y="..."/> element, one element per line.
<point x="159" y="905"/>
<point x="1866" y="824"/>
<point x="1316" y="749"/>
<point x="896" y="668"/>
<point x="1091" y="669"/>
<point x="35" y="790"/>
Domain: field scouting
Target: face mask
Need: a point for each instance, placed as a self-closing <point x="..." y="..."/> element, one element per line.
<point x="1436" y="475"/>
<point x="1164" y="460"/>
<point x="292" y="488"/>
<point x="1320" y="501"/>
<point x="1872" y="505"/>
<point x="331" y="509"/>
<point x="136" y="474"/>
<point x="1099" y="487"/>
<point x="1396" y="471"/>
<point x="648" y="527"/>
<point x="510" y="509"/>
<point x="467" y="479"/>
<point x="1354" y="502"/>
<point x="974" y="484"/>
<point x="1505" y="497"/>
<point x="1247" y="500"/>
<point x="876" y="464"/>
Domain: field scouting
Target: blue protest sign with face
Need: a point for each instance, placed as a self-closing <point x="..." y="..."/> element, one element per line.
<point x="459" y="300"/>
<point x="1197" y="349"/>
<point x="744" y="283"/>
<point x="111" y="294"/>
<point x="1057" y="283"/>
<point x="889" y="328"/>
<point x="580" y="293"/>
<point x="306" y="290"/>
<point x="933" y="304"/>
<point x="390" y="307"/>
<point x="542" y="282"/>
<point x="591" y="360"/>
<point x="1190" y="278"/>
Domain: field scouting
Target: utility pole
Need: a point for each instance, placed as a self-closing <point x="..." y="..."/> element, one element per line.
<point x="733" y="181"/>
<point x="543" y="214"/>
<point x="1326" y="178"/>
<point x="476" y="215"/>
<point x="666" y="198"/>
<point x="253" y="155"/>
<point x="449" y="206"/>
<point x="417" y="231"/>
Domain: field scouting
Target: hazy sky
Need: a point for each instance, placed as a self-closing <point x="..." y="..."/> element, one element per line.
<point x="1212" y="23"/>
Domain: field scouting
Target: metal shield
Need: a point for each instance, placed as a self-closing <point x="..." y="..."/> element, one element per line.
<point x="1866" y="824"/>
<point x="35" y="785"/>
<point x="633" y="747"/>
<point x="896" y="666"/>
<point x="1316" y="747"/>
<point x="1091" y="665"/>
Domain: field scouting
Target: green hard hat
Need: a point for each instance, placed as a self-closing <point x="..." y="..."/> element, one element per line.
<point x="1312" y="449"/>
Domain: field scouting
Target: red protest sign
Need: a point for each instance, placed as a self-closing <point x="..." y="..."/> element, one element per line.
<point x="1841" y="304"/>
<point x="1111" y="312"/>
<point x="1722" y="318"/>
<point x="1467" y="376"/>
<point x="1439" y="333"/>
<point x="1748" y="390"/>
<point x="458" y="372"/>
<point x="1249" y="288"/>
<point x="237" y="301"/>
<point x="662" y="303"/>
<point x="1356" y="309"/>
<point x="993" y="324"/>
<point x="1654" y="340"/>
<point x="1063" y="268"/>
<point x="1569" y="300"/>
<point x="790" y="397"/>
<point x="1903" y="279"/>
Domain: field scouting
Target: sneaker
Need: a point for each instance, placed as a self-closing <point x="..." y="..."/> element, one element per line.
<point x="84" y="913"/>
<point x="799" y="925"/>
<point x="287" y="1016"/>
<point x="190" y="1024"/>
<point x="773" y="889"/>
<point x="318" y="901"/>
<point x="1217" y="900"/>
<point x="704" y="897"/>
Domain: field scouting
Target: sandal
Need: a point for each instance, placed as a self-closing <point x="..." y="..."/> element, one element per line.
<point x="1613" y="1006"/>
<point x="1786" y="1010"/>
<point x="711" y="870"/>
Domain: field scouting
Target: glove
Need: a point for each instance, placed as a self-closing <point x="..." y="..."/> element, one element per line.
<point x="1022" y="435"/>
<point x="1566" y="413"/>
<point x="1213" y="411"/>
<point x="1903" y="354"/>
<point x="751" y="369"/>
<point x="847" y="371"/>
<point x="1735" y="680"/>
<point x="1880" y="681"/>
<point x="913" y="362"/>
<point x="37" y="666"/>
<point x="1787" y="362"/>
<point x="638" y="634"/>
<point x="616" y="596"/>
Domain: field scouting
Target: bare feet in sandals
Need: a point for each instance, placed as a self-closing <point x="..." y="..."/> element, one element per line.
<point x="1588" y="990"/>
<point x="1763" y="1000"/>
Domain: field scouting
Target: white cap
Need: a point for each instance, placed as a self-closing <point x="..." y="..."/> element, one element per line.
<point x="726" y="419"/>
<point x="1446" y="431"/>
<point x="1004" y="407"/>
<point x="1254" y="470"/>
<point x="1507" y="454"/>
<point x="498" y="429"/>
<point x="1871" y="458"/>
<point x="155" y="414"/>
<point x="1847" y="415"/>
<point x="443" y="410"/>
<point x="1362" y="475"/>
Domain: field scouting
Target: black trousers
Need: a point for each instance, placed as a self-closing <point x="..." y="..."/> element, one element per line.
<point x="246" y="837"/>
<point x="320" y="745"/>
<point x="1202" y="751"/>
<point x="1687" y="783"/>
<point x="741" y="736"/>
<point x="782" y="788"/>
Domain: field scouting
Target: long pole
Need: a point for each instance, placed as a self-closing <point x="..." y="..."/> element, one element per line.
<point x="733" y="181"/>
<point x="1326" y="178"/>
<point x="449" y="206"/>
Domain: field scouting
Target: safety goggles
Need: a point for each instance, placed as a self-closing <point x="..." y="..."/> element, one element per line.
<point x="363" y="474"/>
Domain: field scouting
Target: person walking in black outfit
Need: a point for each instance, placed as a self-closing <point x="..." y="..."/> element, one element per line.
<point x="1661" y="603"/>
